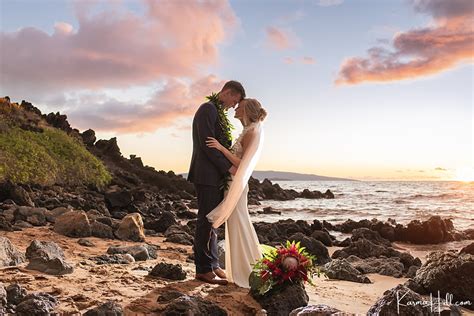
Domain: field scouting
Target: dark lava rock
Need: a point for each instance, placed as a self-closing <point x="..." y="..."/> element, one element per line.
<point x="47" y="257"/>
<point x="283" y="302"/>
<point x="15" y="293"/>
<point x="369" y="234"/>
<point x="36" y="304"/>
<point x="101" y="230"/>
<point x="341" y="269"/>
<point x="168" y="271"/>
<point x="113" y="259"/>
<point x="316" y="310"/>
<point x="169" y="296"/>
<point x="9" y="255"/>
<point x="9" y="190"/>
<point x="85" y="242"/>
<point x="383" y="265"/>
<point x="193" y="305"/>
<point x="270" y="210"/>
<point x="88" y="137"/>
<point x="323" y="237"/>
<point x="119" y="198"/>
<point x="400" y="300"/>
<point x="138" y="252"/>
<point x="3" y="297"/>
<point x="433" y="231"/>
<point x="468" y="249"/>
<point x="109" y="308"/>
<point x="33" y="215"/>
<point x="161" y="224"/>
<point x="313" y="246"/>
<point x="447" y="272"/>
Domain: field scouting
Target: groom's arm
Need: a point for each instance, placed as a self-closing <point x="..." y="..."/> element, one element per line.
<point x="206" y="119"/>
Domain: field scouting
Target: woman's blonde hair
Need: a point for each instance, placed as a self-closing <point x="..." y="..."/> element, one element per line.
<point x="253" y="110"/>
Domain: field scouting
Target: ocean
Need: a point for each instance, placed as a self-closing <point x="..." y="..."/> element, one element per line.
<point x="400" y="200"/>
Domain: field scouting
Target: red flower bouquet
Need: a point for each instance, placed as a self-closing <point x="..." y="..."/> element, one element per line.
<point x="280" y="266"/>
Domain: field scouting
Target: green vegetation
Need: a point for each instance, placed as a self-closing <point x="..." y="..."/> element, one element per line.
<point x="50" y="157"/>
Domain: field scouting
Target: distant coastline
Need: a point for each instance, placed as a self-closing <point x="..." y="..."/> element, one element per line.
<point x="290" y="176"/>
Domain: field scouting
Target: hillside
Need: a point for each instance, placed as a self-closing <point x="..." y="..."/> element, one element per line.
<point x="293" y="176"/>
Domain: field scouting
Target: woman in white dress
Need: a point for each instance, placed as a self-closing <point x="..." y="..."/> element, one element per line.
<point x="242" y="248"/>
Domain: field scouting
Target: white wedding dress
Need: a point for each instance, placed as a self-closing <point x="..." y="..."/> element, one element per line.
<point x="242" y="248"/>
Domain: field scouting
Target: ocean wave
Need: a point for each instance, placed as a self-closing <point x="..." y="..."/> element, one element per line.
<point x="442" y="196"/>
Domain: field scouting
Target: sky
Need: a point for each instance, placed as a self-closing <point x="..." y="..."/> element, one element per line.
<point x="360" y="89"/>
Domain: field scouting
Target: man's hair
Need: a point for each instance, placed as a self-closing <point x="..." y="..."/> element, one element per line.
<point x="236" y="87"/>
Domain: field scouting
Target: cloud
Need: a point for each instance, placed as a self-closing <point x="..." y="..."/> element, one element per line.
<point x="329" y="3"/>
<point x="440" y="169"/>
<point x="303" y="60"/>
<point x="419" y="52"/>
<point x="174" y="101"/>
<point x="117" y="47"/>
<point x="279" y="39"/>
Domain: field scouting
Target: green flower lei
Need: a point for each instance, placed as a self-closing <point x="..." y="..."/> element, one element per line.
<point x="226" y="126"/>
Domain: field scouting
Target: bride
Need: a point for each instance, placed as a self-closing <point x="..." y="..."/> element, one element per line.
<point x="242" y="248"/>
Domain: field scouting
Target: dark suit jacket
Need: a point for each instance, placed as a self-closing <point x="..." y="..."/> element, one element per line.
<point x="208" y="165"/>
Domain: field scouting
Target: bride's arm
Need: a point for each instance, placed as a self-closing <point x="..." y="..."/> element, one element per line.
<point x="214" y="143"/>
<point x="246" y="140"/>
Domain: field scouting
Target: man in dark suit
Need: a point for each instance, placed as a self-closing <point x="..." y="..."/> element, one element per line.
<point x="208" y="169"/>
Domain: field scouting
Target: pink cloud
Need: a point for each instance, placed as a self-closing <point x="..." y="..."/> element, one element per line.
<point x="117" y="47"/>
<point x="279" y="39"/>
<point x="419" y="52"/>
<point x="175" y="101"/>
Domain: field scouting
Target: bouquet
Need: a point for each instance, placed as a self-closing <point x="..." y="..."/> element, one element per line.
<point x="281" y="266"/>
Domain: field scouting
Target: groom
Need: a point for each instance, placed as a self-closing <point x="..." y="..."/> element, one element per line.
<point x="208" y="168"/>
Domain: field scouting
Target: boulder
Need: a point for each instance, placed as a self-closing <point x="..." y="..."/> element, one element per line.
<point x="341" y="269"/>
<point x="371" y="235"/>
<point x="160" y="225"/>
<point x="168" y="271"/>
<point x="383" y="265"/>
<point x="113" y="259"/>
<point x="9" y="255"/>
<point x="37" y="304"/>
<point x="47" y="257"/>
<point x="119" y="198"/>
<point x="313" y="247"/>
<point x="284" y="301"/>
<point x="433" y="231"/>
<point x="73" y="224"/>
<point x="323" y="237"/>
<point x="138" y="252"/>
<point x="131" y="228"/>
<point x="468" y="249"/>
<point x="101" y="230"/>
<point x="109" y="308"/>
<point x="447" y="272"/>
<point x="33" y="215"/>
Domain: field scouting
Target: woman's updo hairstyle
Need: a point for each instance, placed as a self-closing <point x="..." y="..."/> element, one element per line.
<point x="253" y="110"/>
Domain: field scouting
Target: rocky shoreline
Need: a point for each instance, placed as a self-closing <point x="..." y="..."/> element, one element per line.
<point x="126" y="248"/>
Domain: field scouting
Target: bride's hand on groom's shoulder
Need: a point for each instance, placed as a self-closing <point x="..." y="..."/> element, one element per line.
<point x="213" y="143"/>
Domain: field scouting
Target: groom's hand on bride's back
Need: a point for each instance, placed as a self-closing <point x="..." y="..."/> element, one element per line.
<point x="233" y="170"/>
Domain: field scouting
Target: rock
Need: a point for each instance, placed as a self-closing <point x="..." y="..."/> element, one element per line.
<point x="118" y="199"/>
<point x="15" y="293"/>
<point x="101" y="230"/>
<point x="193" y="305"/>
<point x="313" y="247"/>
<point x="169" y="296"/>
<point x="160" y="225"/>
<point x="131" y="228"/>
<point x="269" y="210"/>
<point x="37" y="304"/>
<point x="5" y="224"/>
<point x="113" y="259"/>
<point x="447" y="272"/>
<point x="9" y="255"/>
<point x="10" y="190"/>
<point x="433" y="231"/>
<point x="316" y="310"/>
<point x="168" y="271"/>
<point x="73" y="224"/>
<point x="323" y="237"/>
<point x="3" y="297"/>
<point x="371" y="235"/>
<point x="109" y="308"/>
<point x="47" y="257"/>
<point x="388" y="304"/>
<point x="88" y="137"/>
<point x="138" y="252"/>
<point x="468" y="249"/>
<point x="179" y="234"/>
<point x="341" y="269"/>
<point x="55" y="213"/>
<point x="85" y="242"/>
<point x="33" y="215"/>
<point x="383" y="265"/>
<point x="328" y="194"/>
<point x="283" y="302"/>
